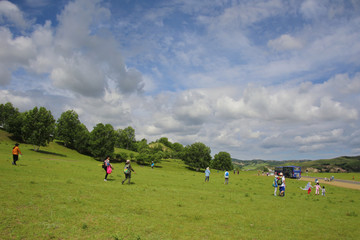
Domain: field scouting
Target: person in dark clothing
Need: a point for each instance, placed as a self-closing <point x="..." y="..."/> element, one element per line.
<point x="127" y="171"/>
<point x="105" y="165"/>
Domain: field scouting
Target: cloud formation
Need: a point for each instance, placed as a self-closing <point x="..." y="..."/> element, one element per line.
<point x="77" y="55"/>
<point x="258" y="79"/>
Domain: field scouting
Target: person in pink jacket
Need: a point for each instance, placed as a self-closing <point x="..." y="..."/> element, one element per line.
<point x="317" y="189"/>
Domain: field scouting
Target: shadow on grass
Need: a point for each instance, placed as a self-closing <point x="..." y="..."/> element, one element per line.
<point x="126" y="183"/>
<point x="110" y="180"/>
<point x="49" y="153"/>
<point x="195" y="170"/>
<point x="15" y="139"/>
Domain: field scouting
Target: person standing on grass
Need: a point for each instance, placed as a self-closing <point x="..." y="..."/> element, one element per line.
<point x="309" y="190"/>
<point x="207" y="174"/>
<point x="16" y="151"/>
<point x="275" y="184"/>
<point x="152" y="165"/>
<point x="105" y="165"/>
<point x="127" y="171"/>
<point x="282" y="185"/>
<point x="317" y="189"/>
<point x="226" y="177"/>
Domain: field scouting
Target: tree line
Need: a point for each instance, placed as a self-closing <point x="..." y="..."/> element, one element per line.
<point x="38" y="127"/>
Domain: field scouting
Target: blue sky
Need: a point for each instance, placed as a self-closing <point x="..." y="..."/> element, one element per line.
<point x="258" y="79"/>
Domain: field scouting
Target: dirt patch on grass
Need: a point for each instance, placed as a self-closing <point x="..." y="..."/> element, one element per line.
<point x="333" y="183"/>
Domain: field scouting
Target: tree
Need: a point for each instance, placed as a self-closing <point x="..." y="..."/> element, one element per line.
<point x="126" y="138"/>
<point x="197" y="156"/>
<point x="82" y="140"/>
<point x="144" y="158"/>
<point x="38" y="127"/>
<point x="14" y="125"/>
<point x="122" y="156"/>
<point x="222" y="161"/>
<point x="142" y="145"/>
<point x="178" y="148"/>
<point x="7" y="113"/>
<point x="166" y="142"/>
<point x="68" y="127"/>
<point x="102" y="140"/>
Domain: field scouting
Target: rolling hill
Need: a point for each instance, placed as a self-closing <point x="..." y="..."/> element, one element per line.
<point x="338" y="164"/>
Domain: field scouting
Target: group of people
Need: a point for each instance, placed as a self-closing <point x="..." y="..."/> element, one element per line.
<point x="108" y="169"/>
<point x="279" y="182"/>
<point x="106" y="164"/>
<point x="317" y="188"/>
<point x="226" y="175"/>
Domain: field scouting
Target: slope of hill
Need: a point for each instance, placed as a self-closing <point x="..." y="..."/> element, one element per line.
<point x="259" y="164"/>
<point x="160" y="146"/>
<point x="339" y="164"/>
<point x="57" y="193"/>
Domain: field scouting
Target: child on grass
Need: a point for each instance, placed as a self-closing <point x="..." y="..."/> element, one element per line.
<point x="317" y="189"/>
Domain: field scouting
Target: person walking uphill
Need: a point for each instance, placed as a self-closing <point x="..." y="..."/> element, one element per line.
<point x="107" y="167"/>
<point x="127" y="171"/>
<point x="16" y="151"/>
<point x="207" y="174"/>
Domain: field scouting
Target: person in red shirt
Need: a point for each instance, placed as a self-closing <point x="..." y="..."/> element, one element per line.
<point x="16" y="151"/>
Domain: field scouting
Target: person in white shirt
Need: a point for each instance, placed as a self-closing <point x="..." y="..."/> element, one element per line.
<point x="282" y="186"/>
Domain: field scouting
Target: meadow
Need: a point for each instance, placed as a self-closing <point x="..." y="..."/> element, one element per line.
<point x="59" y="194"/>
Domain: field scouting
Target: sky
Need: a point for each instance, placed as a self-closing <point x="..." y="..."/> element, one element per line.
<point x="259" y="79"/>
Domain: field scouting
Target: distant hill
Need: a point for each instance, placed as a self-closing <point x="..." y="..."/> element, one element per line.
<point x="161" y="146"/>
<point x="339" y="164"/>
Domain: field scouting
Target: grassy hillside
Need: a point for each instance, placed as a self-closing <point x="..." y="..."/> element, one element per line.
<point x="60" y="194"/>
<point x="339" y="164"/>
<point x="130" y="154"/>
<point x="161" y="146"/>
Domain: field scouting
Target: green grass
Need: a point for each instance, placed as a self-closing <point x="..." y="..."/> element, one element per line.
<point x="128" y="152"/>
<point x="60" y="194"/>
<point x="351" y="164"/>
<point x="343" y="176"/>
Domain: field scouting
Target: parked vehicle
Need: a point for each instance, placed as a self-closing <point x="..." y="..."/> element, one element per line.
<point x="289" y="171"/>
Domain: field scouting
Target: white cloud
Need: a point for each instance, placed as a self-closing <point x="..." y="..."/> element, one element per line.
<point x="77" y="55"/>
<point x="285" y="42"/>
<point x="192" y="108"/>
<point x="314" y="9"/>
<point x="214" y="80"/>
<point x="325" y="137"/>
<point x="10" y="13"/>
<point x="15" y="52"/>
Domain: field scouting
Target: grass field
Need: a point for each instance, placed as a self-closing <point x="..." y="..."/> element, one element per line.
<point x="343" y="176"/>
<point x="60" y="194"/>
